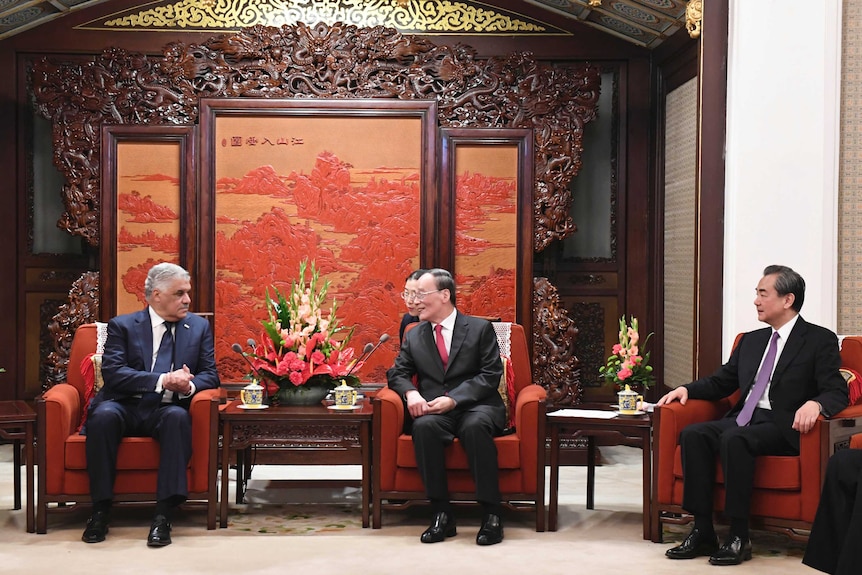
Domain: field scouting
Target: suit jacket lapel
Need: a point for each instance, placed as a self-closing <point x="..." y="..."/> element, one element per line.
<point x="427" y="337"/>
<point x="792" y="346"/>
<point x="459" y="334"/>
<point x="144" y="330"/>
<point x="181" y="333"/>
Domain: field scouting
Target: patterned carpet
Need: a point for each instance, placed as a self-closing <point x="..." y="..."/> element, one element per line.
<point x="319" y="519"/>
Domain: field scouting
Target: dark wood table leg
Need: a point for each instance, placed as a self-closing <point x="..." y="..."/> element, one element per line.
<point x="16" y="466"/>
<point x="365" y="446"/>
<point x="647" y="482"/>
<point x="591" y="472"/>
<point x="225" y="473"/>
<point x="555" y="477"/>
<point x="239" y="494"/>
<point x="30" y="455"/>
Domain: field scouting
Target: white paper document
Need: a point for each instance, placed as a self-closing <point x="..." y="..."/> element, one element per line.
<point x="590" y="413"/>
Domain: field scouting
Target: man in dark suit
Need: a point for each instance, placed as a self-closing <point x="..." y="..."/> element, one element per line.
<point x="456" y="359"/>
<point x="788" y="376"/>
<point x="155" y="360"/>
<point x="835" y="543"/>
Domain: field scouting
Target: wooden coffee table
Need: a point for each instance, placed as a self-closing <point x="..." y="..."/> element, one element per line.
<point x="311" y="435"/>
<point x="633" y="430"/>
<point x="17" y="423"/>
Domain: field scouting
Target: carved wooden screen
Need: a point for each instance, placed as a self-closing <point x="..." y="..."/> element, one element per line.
<point x="148" y="198"/>
<point x="368" y="68"/>
<point x="348" y="185"/>
<point x="487" y="180"/>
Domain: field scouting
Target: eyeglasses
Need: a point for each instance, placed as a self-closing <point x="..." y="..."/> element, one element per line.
<point x="416" y="295"/>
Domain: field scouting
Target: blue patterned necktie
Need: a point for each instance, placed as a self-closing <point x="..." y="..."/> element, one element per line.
<point x="763" y="377"/>
<point x="163" y="364"/>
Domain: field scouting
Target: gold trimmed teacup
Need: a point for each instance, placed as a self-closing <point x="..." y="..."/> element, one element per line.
<point x="629" y="401"/>
<point x="345" y="396"/>
<point x="252" y="395"/>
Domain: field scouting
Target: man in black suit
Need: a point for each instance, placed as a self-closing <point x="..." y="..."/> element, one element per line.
<point x="788" y="376"/>
<point x="835" y="543"/>
<point x="155" y="360"/>
<point x="456" y="359"/>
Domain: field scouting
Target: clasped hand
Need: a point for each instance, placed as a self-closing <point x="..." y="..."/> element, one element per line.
<point x="417" y="406"/>
<point x="179" y="380"/>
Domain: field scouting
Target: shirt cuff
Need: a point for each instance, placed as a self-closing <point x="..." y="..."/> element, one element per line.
<point x="160" y="384"/>
<point x="191" y="392"/>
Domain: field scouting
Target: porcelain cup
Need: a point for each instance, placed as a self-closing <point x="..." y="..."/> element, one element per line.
<point x="345" y="396"/>
<point x="252" y="394"/>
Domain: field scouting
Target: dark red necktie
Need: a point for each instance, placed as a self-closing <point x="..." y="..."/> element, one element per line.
<point x="441" y="345"/>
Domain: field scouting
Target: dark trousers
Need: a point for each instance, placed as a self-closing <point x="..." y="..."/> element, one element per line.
<point x="169" y="424"/>
<point x="835" y="543"/>
<point x="737" y="448"/>
<point x="476" y="430"/>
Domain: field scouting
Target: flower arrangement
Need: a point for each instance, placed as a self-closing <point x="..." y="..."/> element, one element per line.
<point x="627" y="365"/>
<point x="300" y="348"/>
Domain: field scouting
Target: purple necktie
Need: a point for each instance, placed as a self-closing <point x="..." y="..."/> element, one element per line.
<point x="744" y="417"/>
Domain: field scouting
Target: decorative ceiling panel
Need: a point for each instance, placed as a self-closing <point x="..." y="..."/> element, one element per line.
<point x="408" y="17"/>
<point x="642" y="22"/>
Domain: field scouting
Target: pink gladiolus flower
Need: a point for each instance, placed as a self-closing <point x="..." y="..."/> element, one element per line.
<point x="617" y="349"/>
<point x="633" y="351"/>
<point x="624" y="374"/>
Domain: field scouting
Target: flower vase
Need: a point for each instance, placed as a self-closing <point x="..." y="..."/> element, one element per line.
<point x="289" y="394"/>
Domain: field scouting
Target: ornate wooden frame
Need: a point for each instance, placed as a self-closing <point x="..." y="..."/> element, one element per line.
<point x="112" y="137"/>
<point x="522" y="140"/>
<point x="322" y="61"/>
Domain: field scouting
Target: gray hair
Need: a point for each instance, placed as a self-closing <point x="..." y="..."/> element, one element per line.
<point x="160" y="275"/>
<point x="788" y="281"/>
<point x="444" y="280"/>
<point x="416" y="275"/>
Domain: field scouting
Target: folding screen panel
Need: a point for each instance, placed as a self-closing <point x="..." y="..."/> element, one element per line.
<point x="346" y="184"/>
<point x="487" y="180"/>
<point x="148" y="195"/>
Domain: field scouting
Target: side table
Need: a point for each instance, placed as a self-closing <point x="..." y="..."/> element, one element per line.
<point x="632" y="430"/>
<point x="17" y="423"/>
<point x="302" y="435"/>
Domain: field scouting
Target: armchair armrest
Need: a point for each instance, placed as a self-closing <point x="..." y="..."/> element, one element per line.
<point x="388" y="424"/>
<point x="204" y="416"/>
<point x="530" y="428"/>
<point x="58" y="412"/>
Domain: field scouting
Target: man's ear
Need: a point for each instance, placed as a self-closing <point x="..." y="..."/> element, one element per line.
<point x="789" y="300"/>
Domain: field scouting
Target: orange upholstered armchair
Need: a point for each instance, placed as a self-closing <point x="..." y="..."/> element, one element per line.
<point x="786" y="489"/>
<point x="61" y="448"/>
<point x="396" y="480"/>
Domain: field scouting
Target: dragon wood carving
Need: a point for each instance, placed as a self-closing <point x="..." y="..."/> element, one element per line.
<point x="321" y="61"/>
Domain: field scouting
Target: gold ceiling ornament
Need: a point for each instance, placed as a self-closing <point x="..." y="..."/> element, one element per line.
<point x="407" y="16"/>
<point x="595" y="3"/>
<point x="694" y="17"/>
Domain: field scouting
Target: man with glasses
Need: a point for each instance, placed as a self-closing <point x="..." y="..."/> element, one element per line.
<point x="456" y="361"/>
<point x="409" y="295"/>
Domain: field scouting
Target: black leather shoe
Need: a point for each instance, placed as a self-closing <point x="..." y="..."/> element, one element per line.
<point x="442" y="526"/>
<point x="696" y="544"/>
<point x="733" y="552"/>
<point x="96" y="529"/>
<point x="491" y="532"/>
<point x="160" y="532"/>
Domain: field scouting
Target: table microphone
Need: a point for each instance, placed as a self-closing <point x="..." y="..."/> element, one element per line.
<point x="367" y="351"/>
<point x="236" y="347"/>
